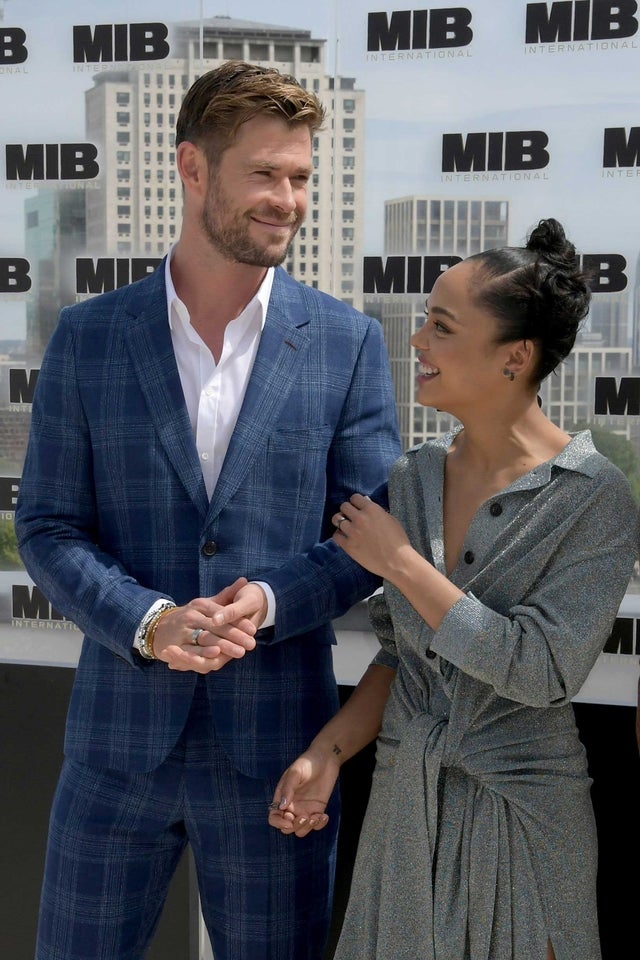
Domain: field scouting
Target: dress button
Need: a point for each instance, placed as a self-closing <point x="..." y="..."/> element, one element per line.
<point x="429" y="654"/>
<point x="469" y="556"/>
<point x="495" y="509"/>
<point x="210" y="548"/>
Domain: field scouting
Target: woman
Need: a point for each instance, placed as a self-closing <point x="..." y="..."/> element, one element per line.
<point x="506" y="554"/>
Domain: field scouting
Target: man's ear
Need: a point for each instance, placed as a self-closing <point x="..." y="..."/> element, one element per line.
<point x="192" y="167"/>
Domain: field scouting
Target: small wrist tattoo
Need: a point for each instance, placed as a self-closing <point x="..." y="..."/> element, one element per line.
<point x="336" y="749"/>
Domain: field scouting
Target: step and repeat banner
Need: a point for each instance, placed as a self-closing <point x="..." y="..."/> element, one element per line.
<point x="450" y="128"/>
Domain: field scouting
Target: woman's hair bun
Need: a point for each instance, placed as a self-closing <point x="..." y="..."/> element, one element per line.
<point x="548" y="240"/>
<point x="538" y="292"/>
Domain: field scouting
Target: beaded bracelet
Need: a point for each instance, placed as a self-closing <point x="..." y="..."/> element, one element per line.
<point x="149" y="621"/>
<point x="151" y="632"/>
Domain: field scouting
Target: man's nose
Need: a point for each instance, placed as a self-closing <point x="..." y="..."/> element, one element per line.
<point x="283" y="195"/>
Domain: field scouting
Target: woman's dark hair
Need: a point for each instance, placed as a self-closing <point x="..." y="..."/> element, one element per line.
<point x="537" y="292"/>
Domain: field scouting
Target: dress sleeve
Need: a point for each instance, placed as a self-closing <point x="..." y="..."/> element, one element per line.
<point x="383" y="628"/>
<point x="542" y="649"/>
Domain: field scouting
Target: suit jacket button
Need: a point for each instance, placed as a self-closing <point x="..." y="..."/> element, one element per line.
<point x="430" y="654"/>
<point x="469" y="556"/>
<point x="495" y="509"/>
<point x="210" y="548"/>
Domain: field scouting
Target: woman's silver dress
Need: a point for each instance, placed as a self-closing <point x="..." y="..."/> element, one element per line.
<point x="479" y="840"/>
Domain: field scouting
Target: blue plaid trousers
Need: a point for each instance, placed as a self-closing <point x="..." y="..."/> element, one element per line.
<point x="115" y="840"/>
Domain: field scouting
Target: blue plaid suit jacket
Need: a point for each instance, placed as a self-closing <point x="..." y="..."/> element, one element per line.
<point x="112" y="513"/>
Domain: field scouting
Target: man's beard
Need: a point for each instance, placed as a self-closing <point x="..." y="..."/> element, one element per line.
<point x="228" y="232"/>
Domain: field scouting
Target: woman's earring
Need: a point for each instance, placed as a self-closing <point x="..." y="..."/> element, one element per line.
<point x="509" y="373"/>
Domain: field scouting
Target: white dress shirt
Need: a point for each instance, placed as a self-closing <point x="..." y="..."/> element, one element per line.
<point x="214" y="392"/>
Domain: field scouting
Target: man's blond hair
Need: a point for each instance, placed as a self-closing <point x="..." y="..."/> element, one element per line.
<point x="221" y="100"/>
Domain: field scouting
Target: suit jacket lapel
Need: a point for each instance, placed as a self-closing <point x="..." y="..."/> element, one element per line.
<point x="283" y="345"/>
<point x="149" y="340"/>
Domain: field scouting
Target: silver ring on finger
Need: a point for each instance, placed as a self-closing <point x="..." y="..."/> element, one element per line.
<point x="340" y="522"/>
<point x="194" y="636"/>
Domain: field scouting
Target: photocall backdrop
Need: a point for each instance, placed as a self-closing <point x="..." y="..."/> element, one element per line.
<point x="450" y="129"/>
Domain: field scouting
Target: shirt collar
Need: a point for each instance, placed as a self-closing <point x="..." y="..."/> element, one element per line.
<point x="579" y="455"/>
<point x="177" y="310"/>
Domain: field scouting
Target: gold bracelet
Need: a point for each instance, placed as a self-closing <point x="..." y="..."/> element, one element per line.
<point x="150" y="633"/>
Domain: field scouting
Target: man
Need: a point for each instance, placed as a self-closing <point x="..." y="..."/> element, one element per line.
<point x="190" y="433"/>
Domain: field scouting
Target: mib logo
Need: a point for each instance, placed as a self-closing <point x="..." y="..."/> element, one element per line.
<point x="408" y="275"/>
<point x="617" y="400"/>
<point x="621" y="149"/>
<point x="14" y="275"/>
<point x="607" y="272"/>
<point x="51" y="161"/>
<point x="13" y="46"/>
<point x="403" y="274"/>
<point x="8" y="493"/>
<point x="624" y="637"/>
<point x="120" y="42"/>
<point x="514" y="150"/>
<point x="98" y="276"/>
<point x="22" y="384"/>
<point x="419" y="29"/>
<point x="564" y="21"/>
<point x="31" y="604"/>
